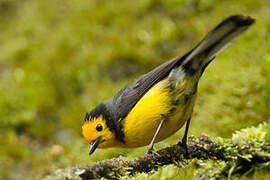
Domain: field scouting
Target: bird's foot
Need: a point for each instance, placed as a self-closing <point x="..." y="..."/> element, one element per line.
<point x="151" y="151"/>
<point x="183" y="144"/>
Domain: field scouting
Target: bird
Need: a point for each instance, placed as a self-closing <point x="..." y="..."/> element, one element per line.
<point x="159" y="103"/>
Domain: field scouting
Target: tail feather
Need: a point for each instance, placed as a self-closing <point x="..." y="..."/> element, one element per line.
<point x="219" y="38"/>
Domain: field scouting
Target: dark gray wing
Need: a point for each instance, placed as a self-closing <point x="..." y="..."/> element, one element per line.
<point x="126" y="98"/>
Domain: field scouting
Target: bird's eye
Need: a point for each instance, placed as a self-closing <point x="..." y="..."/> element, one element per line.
<point x="99" y="127"/>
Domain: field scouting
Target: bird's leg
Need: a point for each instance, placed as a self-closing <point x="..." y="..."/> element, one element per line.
<point x="150" y="147"/>
<point x="184" y="139"/>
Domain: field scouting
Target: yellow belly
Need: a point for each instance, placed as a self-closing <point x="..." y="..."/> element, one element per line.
<point x="142" y="122"/>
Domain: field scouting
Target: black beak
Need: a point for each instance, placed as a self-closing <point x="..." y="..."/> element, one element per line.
<point x="94" y="145"/>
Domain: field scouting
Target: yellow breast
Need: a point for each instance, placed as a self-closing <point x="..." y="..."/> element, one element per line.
<point x="143" y="120"/>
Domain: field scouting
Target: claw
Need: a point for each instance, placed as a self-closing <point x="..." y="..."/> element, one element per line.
<point x="183" y="144"/>
<point x="152" y="151"/>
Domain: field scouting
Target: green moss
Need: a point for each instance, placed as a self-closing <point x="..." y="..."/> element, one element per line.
<point x="247" y="152"/>
<point x="267" y="131"/>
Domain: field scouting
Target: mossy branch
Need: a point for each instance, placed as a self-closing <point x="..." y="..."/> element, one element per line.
<point x="246" y="151"/>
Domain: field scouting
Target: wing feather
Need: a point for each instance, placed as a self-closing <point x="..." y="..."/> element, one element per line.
<point x="127" y="97"/>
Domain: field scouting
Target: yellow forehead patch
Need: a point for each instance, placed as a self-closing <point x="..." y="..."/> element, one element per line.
<point x="87" y="131"/>
<point x="89" y="128"/>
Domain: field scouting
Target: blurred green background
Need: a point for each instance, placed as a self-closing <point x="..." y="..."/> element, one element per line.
<point x="58" y="59"/>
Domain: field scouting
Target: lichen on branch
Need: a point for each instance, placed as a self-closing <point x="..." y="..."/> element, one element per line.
<point x="248" y="150"/>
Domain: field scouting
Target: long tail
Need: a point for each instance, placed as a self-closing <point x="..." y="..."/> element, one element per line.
<point x="219" y="38"/>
